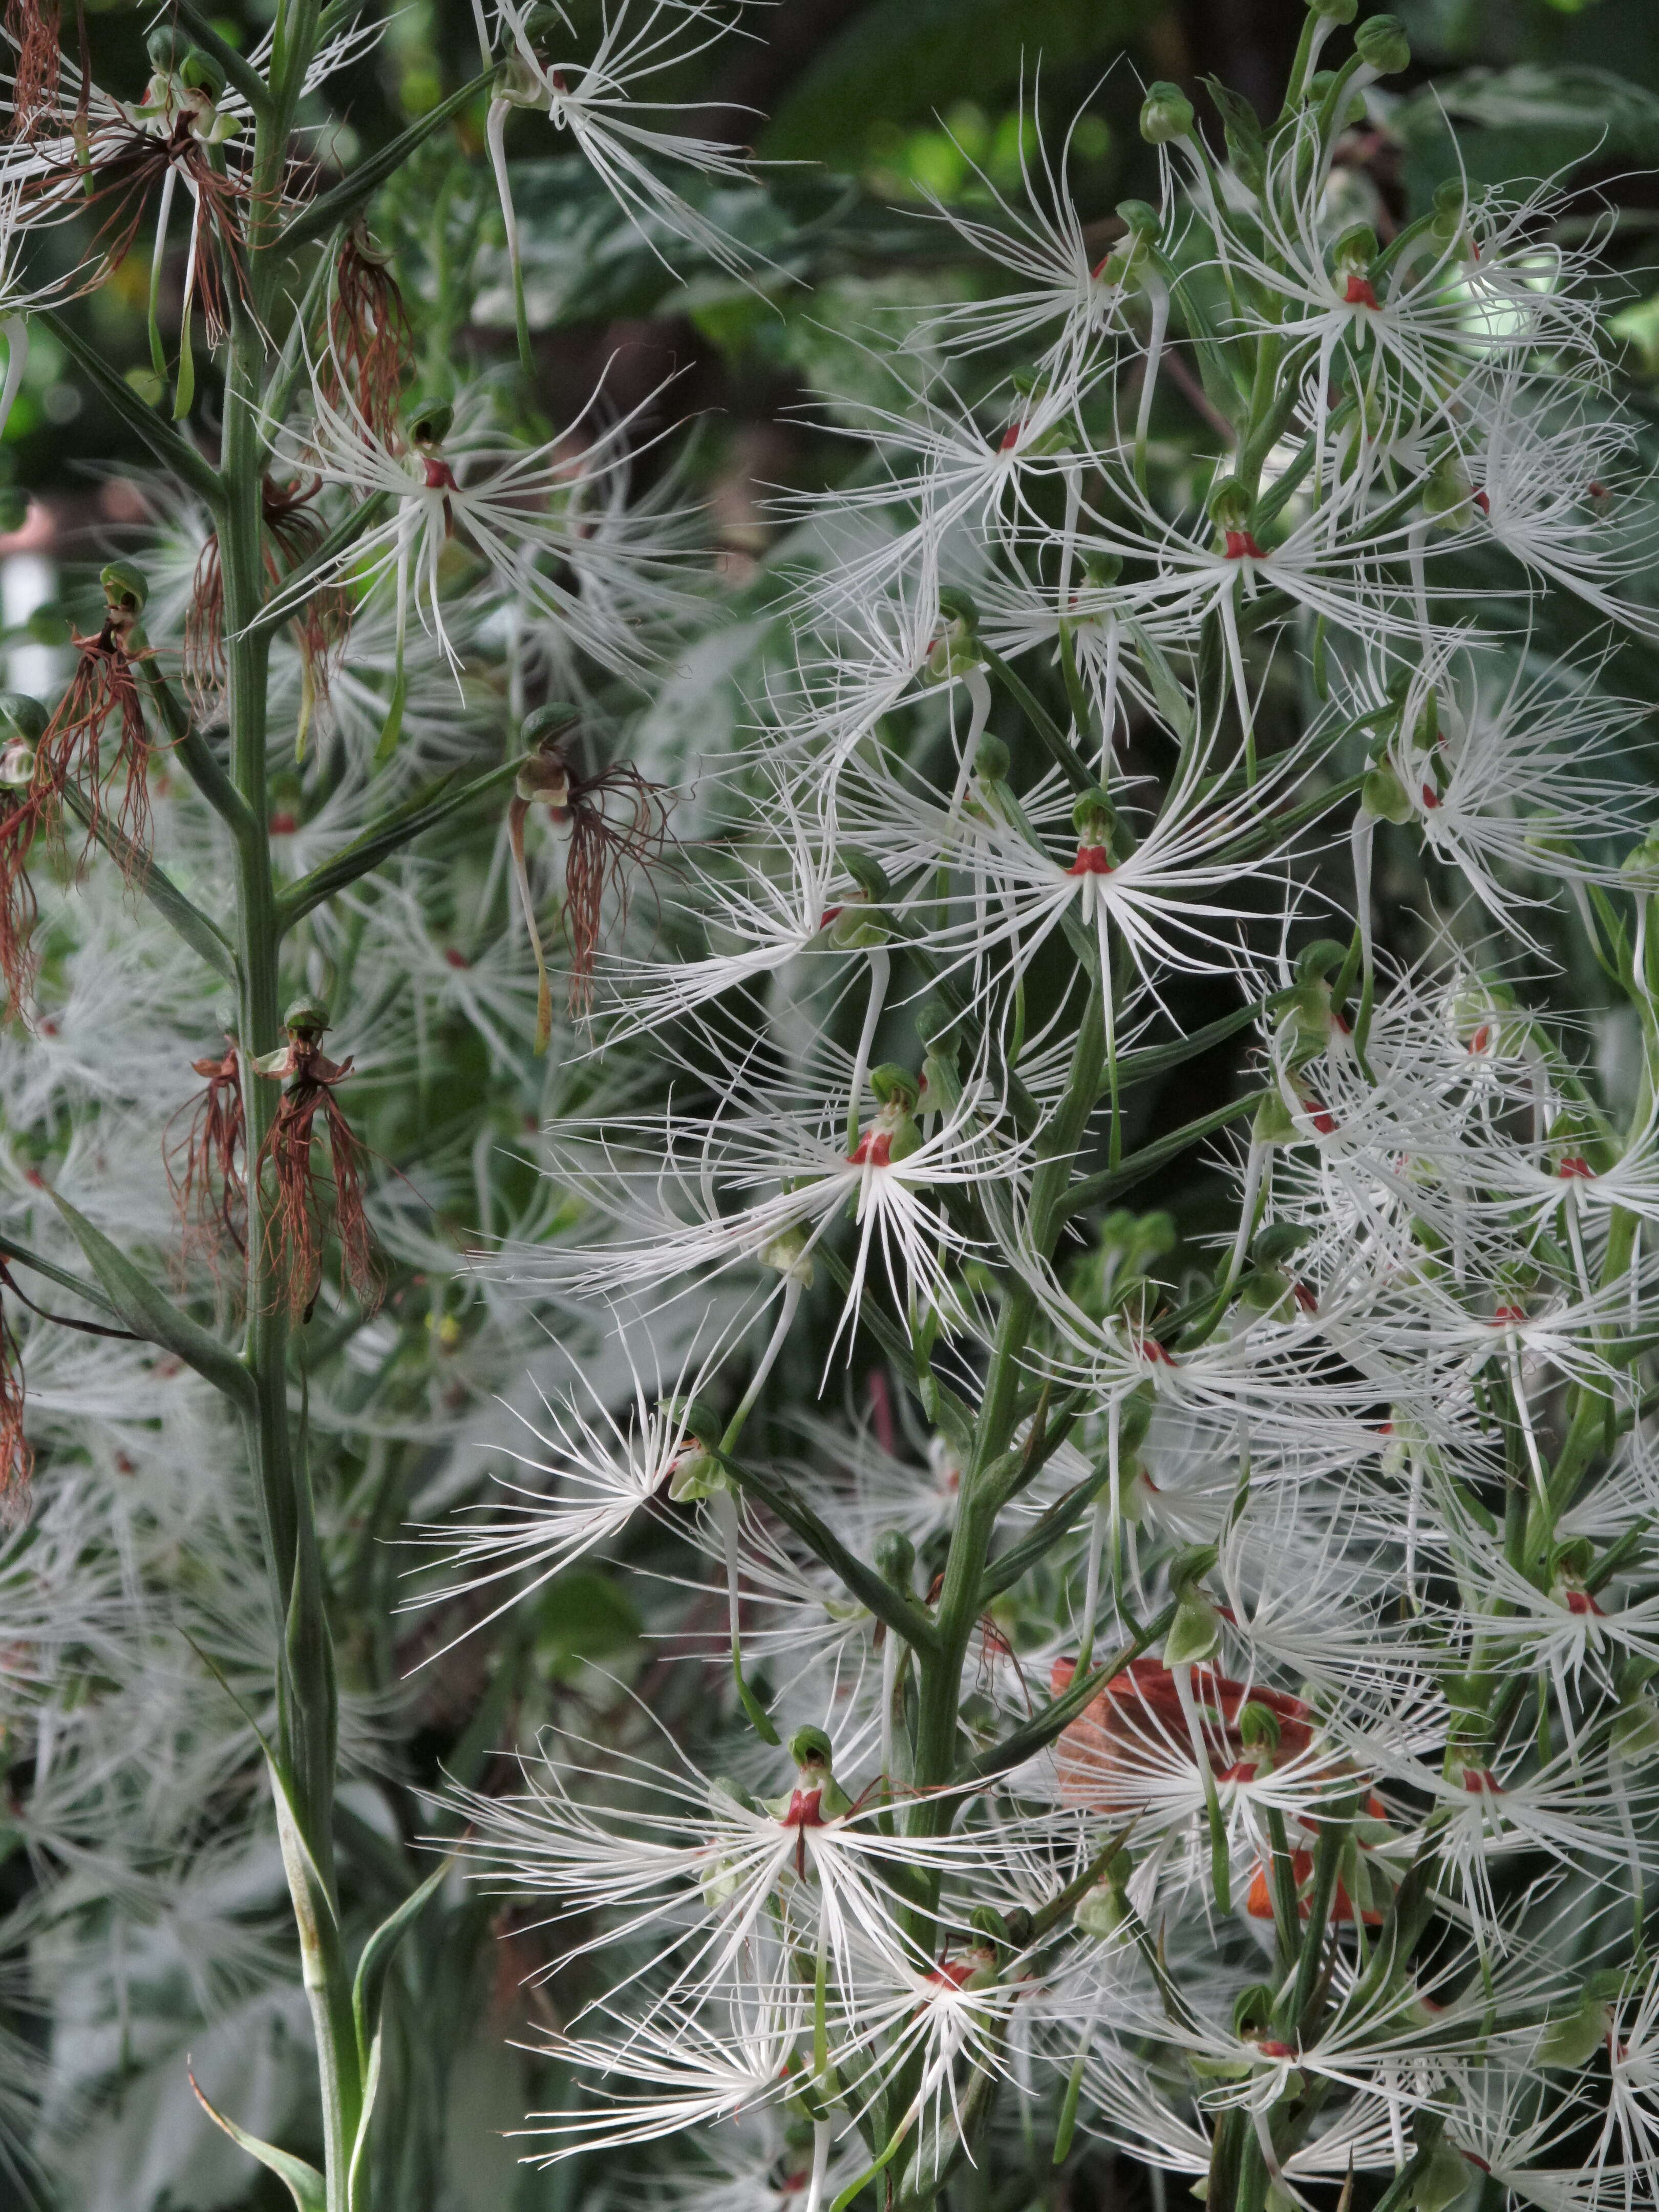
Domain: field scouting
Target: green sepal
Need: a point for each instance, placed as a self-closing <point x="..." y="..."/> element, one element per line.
<point x="148" y="1314"/>
<point x="184" y="393"/>
<point x="306" y="2186"/>
<point x="393" y="729"/>
<point x="1194" y="1633"/>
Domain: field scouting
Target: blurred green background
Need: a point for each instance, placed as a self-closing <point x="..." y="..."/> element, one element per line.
<point x="864" y="107"/>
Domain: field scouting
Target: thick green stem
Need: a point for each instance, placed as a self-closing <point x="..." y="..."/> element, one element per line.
<point x="307" y="1704"/>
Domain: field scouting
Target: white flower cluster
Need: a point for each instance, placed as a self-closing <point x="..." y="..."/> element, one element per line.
<point x="1198" y="1698"/>
<point x="1213" y="1709"/>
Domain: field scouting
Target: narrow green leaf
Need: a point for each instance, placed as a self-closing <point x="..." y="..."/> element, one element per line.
<point x="148" y="1314"/>
<point x="1097" y="1189"/>
<point x="400" y="828"/>
<point x="347" y="198"/>
<point x="1173" y="703"/>
<point x="359" y="2168"/>
<point x="175" y="453"/>
<point x="202" y="935"/>
<point x="92" y="1293"/>
<point x="306" y="2186"/>
<point x="369" y="1987"/>
<point x="900" y="1613"/>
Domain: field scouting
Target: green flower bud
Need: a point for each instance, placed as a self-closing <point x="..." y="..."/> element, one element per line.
<point x="1102" y="569"/>
<point x="201" y="74"/>
<point x="1258" y="1727"/>
<point x="788" y="1255"/>
<point x="167" y="49"/>
<point x="1194" y="1633"/>
<point x="1451" y="208"/>
<point x="1191" y="1564"/>
<point x="545" y="723"/>
<point x="1230" y="505"/>
<point x="125" y="588"/>
<point x="1444" y="2178"/>
<point x="1573" y="2041"/>
<point x="695" y="1474"/>
<point x="1335" y="11"/>
<point x="810" y="1749"/>
<point x="1094" y="817"/>
<point x="1133" y="1420"/>
<point x="1355" y="250"/>
<point x="1101" y="1911"/>
<point x="308" y="1016"/>
<point x="1165" y="114"/>
<point x="985" y="1920"/>
<point x="866" y="873"/>
<point x="1636" y="1730"/>
<point x="896" y="1559"/>
<point x="954" y="652"/>
<point x="1277" y="1242"/>
<point x="1382" y="44"/>
<point x="1138" y="217"/>
<point x="993" y="759"/>
<point x="430" y="421"/>
<point x="16" y="764"/>
<point x="23" y="717"/>
<point x="956" y="606"/>
<point x="1640" y="866"/>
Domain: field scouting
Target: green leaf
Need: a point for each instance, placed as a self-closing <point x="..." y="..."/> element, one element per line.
<point x="1173" y="703"/>
<point x="10" y="1250"/>
<point x="203" y="935"/>
<point x="176" y="455"/>
<point x="400" y="828"/>
<point x="350" y="197"/>
<point x="305" y="2183"/>
<point x="1242" y="127"/>
<point x="148" y="1314"/>
<point x="1113" y="1182"/>
<point x="369" y="1987"/>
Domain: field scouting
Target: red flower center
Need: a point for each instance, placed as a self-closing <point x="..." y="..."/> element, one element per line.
<point x="805" y="1810"/>
<point x="1091" y="860"/>
<point x="439" y="475"/>
<point x="1575" y="1169"/>
<point x="1241" y="546"/>
<point x="1359" y="293"/>
<point x="873" y="1150"/>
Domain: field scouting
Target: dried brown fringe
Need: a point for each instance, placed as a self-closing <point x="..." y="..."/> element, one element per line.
<point x="127" y="179"/>
<point x="602" y="850"/>
<point x="17" y="1459"/>
<point x="70" y="757"/>
<point x="33" y="28"/>
<point x="298" y="1227"/>
<point x="371" y="346"/>
<point x="205" y="1166"/>
<point x="320" y="627"/>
